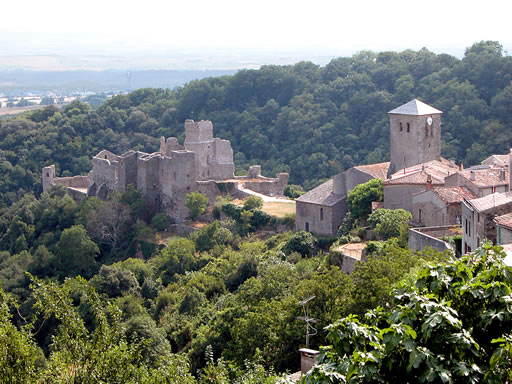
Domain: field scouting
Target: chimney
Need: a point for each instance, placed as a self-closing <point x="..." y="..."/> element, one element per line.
<point x="307" y="359"/>
<point x="472" y="175"/>
<point x="461" y="166"/>
<point x="429" y="182"/>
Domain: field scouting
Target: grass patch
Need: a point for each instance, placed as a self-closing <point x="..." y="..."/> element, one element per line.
<point x="278" y="209"/>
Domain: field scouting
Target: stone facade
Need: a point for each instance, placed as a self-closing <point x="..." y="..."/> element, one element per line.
<point x="203" y="163"/>
<point x="415" y="135"/>
<point x="439" y="206"/>
<point x="321" y="210"/>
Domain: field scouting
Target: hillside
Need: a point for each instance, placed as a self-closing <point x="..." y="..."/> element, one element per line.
<point x="310" y="121"/>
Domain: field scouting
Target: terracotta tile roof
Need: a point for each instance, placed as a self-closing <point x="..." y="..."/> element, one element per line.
<point x="497" y="160"/>
<point x="491" y="201"/>
<point x="377" y="205"/>
<point x="415" y="107"/>
<point x="451" y="195"/>
<point x="487" y="177"/>
<point x="378" y="171"/>
<point x="321" y="195"/>
<point x="418" y="174"/>
<point x="504" y="220"/>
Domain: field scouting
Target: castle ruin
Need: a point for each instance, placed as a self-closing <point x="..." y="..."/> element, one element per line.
<point x="203" y="163"/>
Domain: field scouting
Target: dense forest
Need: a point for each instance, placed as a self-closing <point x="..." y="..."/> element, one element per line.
<point x="310" y="121"/>
<point x="221" y="305"/>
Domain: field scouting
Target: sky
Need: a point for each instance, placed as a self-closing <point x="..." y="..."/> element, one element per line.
<point x="223" y="33"/>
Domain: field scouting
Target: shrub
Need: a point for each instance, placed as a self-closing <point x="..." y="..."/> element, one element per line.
<point x="196" y="204"/>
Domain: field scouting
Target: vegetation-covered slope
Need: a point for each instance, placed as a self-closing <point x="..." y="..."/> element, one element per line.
<point x="308" y="120"/>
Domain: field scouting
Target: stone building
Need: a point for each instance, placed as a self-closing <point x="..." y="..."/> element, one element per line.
<point x="415" y="135"/>
<point x="322" y="209"/>
<point x="481" y="180"/>
<point x="415" y="151"/>
<point x="203" y="163"/>
<point x="400" y="187"/>
<point x="439" y="206"/>
<point x="478" y="218"/>
<point x="504" y="226"/>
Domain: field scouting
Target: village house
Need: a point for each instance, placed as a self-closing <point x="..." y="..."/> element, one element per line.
<point x="439" y="206"/>
<point x="478" y="218"/>
<point x="481" y="180"/>
<point x="400" y="187"/>
<point x="322" y="209"/>
<point x="504" y="225"/>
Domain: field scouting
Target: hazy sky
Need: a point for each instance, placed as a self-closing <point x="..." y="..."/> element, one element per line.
<point x="207" y="30"/>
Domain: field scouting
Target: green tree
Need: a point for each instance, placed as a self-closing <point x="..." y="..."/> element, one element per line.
<point x="450" y="323"/>
<point x="389" y="223"/>
<point x="196" y="204"/>
<point x="302" y="242"/>
<point x="253" y="202"/>
<point x="361" y="197"/>
<point x="75" y="252"/>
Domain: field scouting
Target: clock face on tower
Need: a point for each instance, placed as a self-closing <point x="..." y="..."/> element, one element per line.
<point x="429" y="121"/>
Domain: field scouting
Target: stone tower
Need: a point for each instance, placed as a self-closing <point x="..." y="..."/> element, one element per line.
<point x="415" y="135"/>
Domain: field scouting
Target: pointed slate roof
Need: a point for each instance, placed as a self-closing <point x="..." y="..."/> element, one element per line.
<point x="416" y="108"/>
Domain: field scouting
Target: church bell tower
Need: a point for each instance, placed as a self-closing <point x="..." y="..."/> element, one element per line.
<point x="415" y="135"/>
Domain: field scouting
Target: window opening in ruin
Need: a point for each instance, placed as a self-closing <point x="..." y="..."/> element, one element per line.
<point x="408" y="127"/>
<point x="188" y="188"/>
<point x="105" y="156"/>
<point x="420" y="216"/>
<point x="47" y="174"/>
<point x="207" y="159"/>
<point x="426" y="130"/>
<point x="478" y="217"/>
<point x="306" y="226"/>
<point x="321" y="213"/>
<point x="401" y="127"/>
<point x="477" y="242"/>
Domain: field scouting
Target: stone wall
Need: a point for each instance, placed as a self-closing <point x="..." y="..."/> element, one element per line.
<point x="419" y="239"/>
<point x="268" y="186"/>
<point x="400" y="195"/>
<point x="49" y="179"/>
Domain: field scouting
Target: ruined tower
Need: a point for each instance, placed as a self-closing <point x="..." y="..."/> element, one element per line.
<point x="415" y="135"/>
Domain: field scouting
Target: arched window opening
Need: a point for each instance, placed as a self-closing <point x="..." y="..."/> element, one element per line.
<point x="321" y="213"/>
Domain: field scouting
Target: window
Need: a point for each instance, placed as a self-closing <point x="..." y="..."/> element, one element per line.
<point x="401" y="127"/>
<point x="306" y="226"/>
<point x="478" y="217"/>
<point x="477" y="242"/>
<point x="466" y="226"/>
<point x="408" y="127"/>
<point x="469" y="228"/>
<point x="321" y="214"/>
<point x="426" y="130"/>
<point x="419" y="215"/>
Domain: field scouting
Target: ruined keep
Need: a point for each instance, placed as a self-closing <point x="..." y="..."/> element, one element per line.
<point x="203" y="163"/>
